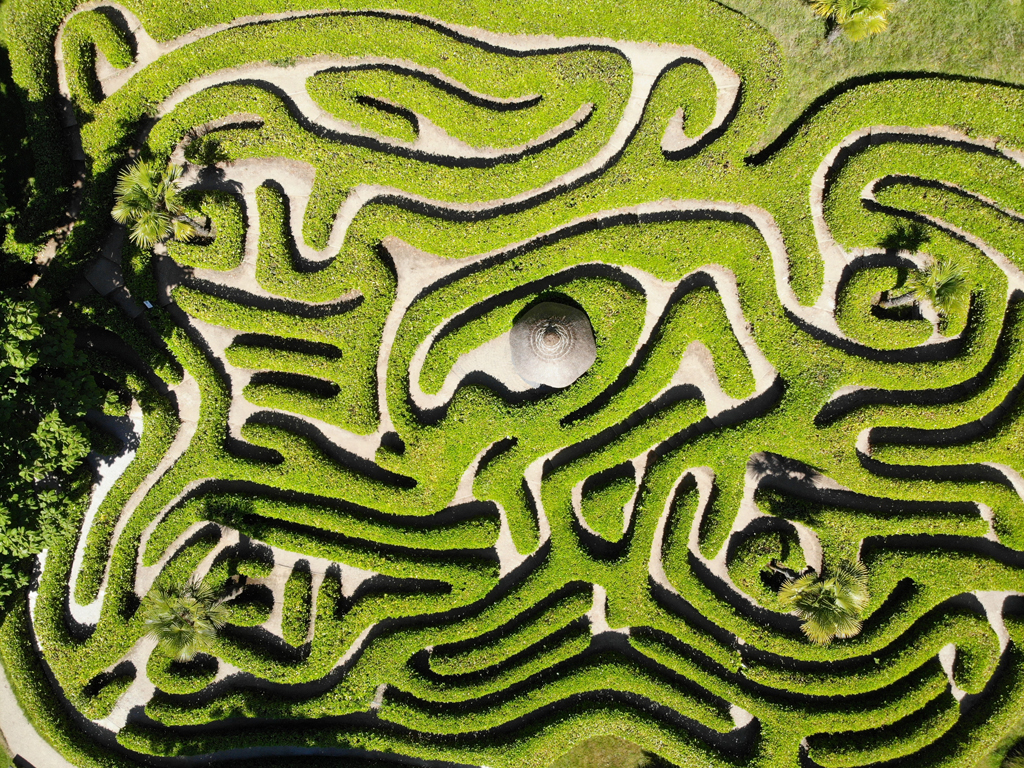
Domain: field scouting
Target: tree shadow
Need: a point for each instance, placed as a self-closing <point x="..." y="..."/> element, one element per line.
<point x="206" y="150"/>
<point x="905" y="236"/>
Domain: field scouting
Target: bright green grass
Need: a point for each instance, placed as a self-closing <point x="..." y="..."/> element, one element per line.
<point x="976" y="38"/>
<point x="5" y="751"/>
<point x="606" y="752"/>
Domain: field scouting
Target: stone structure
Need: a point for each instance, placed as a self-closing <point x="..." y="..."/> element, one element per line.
<point x="553" y="344"/>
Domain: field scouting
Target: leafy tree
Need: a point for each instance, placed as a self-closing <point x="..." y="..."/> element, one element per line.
<point x="859" y="19"/>
<point x="45" y="382"/>
<point x="45" y="388"/>
<point x="185" y="618"/>
<point x="831" y="604"/>
<point x="149" y="201"/>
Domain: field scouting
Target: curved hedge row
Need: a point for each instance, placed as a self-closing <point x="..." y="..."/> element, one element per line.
<point x="425" y="559"/>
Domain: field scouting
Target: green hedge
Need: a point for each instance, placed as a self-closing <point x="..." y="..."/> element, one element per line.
<point x="297" y="605"/>
<point x="181" y="677"/>
<point x="40" y="703"/>
<point x="159" y="425"/>
<point x="227" y="225"/>
<point x="249" y="609"/>
<point x="85" y="34"/>
<point x="440" y="579"/>
<point x="898" y="740"/>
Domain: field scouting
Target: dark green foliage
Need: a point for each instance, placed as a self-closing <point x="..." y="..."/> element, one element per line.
<point x="17" y="185"/>
<point x="45" y="389"/>
<point x="45" y="383"/>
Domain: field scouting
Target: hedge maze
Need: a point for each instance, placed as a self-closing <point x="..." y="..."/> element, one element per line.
<point x="431" y="557"/>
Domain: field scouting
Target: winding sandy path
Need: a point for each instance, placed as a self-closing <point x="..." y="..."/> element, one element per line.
<point x="108" y="472"/>
<point x="21" y="736"/>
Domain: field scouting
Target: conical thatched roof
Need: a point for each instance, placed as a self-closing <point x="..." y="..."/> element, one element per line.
<point x="553" y="344"/>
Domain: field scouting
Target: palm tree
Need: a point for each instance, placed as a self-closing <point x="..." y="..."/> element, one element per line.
<point x="857" y="18"/>
<point x="148" y="199"/>
<point x="830" y="605"/>
<point x="942" y="283"/>
<point x="185" y="619"/>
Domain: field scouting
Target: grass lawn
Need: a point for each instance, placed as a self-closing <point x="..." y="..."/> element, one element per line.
<point x="995" y="759"/>
<point x="6" y="755"/>
<point x="976" y="38"/>
<point x="608" y="752"/>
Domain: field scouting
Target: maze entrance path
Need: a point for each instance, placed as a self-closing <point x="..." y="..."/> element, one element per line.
<point x="432" y="558"/>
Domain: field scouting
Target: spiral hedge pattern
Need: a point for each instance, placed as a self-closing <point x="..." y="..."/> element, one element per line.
<point x="434" y="559"/>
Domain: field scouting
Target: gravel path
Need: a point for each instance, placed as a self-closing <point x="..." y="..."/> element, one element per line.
<point x="21" y="736"/>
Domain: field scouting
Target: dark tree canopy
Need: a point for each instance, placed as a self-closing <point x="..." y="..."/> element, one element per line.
<point x="45" y="386"/>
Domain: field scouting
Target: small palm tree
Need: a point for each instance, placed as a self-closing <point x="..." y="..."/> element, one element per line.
<point x="830" y="605"/>
<point x="149" y="201"/>
<point x="857" y="18"/>
<point x="943" y="284"/>
<point x="185" y="619"/>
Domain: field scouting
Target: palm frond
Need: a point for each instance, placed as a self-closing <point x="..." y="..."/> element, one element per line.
<point x="943" y="284"/>
<point x="149" y="228"/>
<point x="792" y="591"/>
<point x="863" y="25"/>
<point x="827" y="9"/>
<point x="148" y="200"/>
<point x="182" y="230"/>
<point x="172" y="201"/>
<point x="185" y="618"/>
<point x="219" y="615"/>
<point x="817" y="632"/>
<point x="858" y="18"/>
<point x="172" y="173"/>
<point x="830" y="605"/>
<point x="852" y="577"/>
<point x="846" y="625"/>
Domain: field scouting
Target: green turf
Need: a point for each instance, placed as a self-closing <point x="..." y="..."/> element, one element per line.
<point x="606" y="752"/>
<point x="975" y="38"/>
